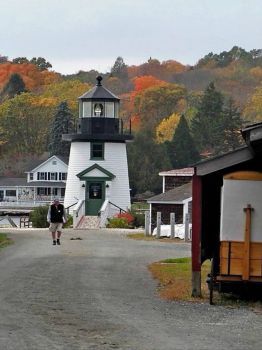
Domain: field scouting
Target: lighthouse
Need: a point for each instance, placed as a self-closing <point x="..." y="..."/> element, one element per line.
<point x="97" y="178"/>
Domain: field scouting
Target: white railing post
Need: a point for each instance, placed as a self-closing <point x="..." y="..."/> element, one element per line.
<point x="172" y="225"/>
<point x="187" y="227"/>
<point x="158" y="224"/>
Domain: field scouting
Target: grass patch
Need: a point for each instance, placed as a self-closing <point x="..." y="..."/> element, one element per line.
<point x="140" y="236"/>
<point x="4" y="240"/>
<point x="174" y="276"/>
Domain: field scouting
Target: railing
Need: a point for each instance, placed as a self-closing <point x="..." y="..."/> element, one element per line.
<point x="108" y="210"/>
<point x="78" y="212"/>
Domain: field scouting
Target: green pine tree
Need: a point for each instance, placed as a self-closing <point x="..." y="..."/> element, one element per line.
<point x="63" y="123"/>
<point x="232" y="124"/>
<point x="182" y="149"/>
<point x="207" y="124"/>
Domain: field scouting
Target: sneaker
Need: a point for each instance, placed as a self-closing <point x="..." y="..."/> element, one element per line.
<point x="58" y="241"/>
<point x="54" y="242"/>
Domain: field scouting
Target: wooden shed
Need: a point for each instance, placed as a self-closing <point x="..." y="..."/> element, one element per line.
<point x="214" y="212"/>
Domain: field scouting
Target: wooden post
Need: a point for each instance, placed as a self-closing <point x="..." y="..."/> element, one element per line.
<point x="196" y="235"/>
<point x="158" y="224"/>
<point x="172" y="225"/>
<point x="246" y="257"/>
<point x="147" y="223"/>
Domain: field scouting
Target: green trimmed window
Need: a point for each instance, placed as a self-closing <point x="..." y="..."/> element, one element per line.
<point x="97" y="150"/>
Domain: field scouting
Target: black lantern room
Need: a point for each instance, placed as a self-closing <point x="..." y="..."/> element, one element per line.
<point x="99" y="117"/>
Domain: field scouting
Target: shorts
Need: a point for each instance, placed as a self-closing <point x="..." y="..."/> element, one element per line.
<point x="56" y="226"/>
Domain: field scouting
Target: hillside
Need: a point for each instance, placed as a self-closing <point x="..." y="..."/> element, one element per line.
<point x="217" y="96"/>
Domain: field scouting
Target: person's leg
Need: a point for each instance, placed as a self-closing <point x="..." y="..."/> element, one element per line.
<point x="54" y="237"/>
<point x="52" y="229"/>
<point x="59" y="233"/>
<point x="58" y="237"/>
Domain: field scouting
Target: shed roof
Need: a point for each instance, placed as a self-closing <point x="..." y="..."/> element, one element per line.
<point x="223" y="161"/>
<point x="177" y="194"/>
<point x="178" y="172"/>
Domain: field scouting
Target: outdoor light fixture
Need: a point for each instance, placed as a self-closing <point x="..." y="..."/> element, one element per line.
<point x="98" y="109"/>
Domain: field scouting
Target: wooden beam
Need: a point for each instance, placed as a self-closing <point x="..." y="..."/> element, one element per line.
<point x="246" y="257"/>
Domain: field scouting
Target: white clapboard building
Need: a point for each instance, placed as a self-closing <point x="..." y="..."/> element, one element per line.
<point x="97" y="182"/>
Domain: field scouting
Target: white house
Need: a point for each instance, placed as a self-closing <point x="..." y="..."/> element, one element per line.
<point x="44" y="181"/>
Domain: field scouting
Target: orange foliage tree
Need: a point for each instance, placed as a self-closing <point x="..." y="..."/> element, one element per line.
<point x="31" y="75"/>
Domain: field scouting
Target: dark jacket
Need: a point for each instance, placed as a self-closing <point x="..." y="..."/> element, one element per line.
<point x="56" y="213"/>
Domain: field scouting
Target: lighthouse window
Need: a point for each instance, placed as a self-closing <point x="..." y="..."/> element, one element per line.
<point x="97" y="150"/>
<point x="98" y="110"/>
<point x="110" y="109"/>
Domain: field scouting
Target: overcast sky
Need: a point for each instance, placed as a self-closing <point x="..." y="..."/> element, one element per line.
<point x="90" y="34"/>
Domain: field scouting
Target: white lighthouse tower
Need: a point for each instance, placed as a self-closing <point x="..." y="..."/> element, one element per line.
<point x="97" y="171"/>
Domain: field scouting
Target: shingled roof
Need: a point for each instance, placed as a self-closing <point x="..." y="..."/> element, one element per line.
<point x="176" y="195"/>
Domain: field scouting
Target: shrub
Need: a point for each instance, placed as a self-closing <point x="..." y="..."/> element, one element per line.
<point x="139" y="219"/>
<point x="38" y="217"/>
<point x="117" y="223"/>
<point x="128" y="216"/>
<point x="69" y="222"/>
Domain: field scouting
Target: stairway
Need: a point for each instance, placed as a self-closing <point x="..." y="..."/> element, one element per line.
<point x="88" y="222"/>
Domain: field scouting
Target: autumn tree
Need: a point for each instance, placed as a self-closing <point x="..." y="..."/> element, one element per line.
<point x="157" y="102"/>
<point x="14" y="86"/>
<point x="24" y="125"/>
<point x="68" y="90"/>
<point x="253" y="109"/>
<point x="63" y="123"/>
<point x="182" y="150"/>
<point x="166" y="128"/>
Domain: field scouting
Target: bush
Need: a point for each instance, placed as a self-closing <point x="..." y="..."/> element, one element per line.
<point x="69" y="222"/>
<point x="38" y="217"/>
<point x="128" y="216"/>
<point x="117" y="223"/>
<point x="139" y="219"/>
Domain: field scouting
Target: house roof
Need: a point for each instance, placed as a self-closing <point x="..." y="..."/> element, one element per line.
<point x="177" y="194"/>
<point x="36" y="163"/>
<point x="19" y="181"/>
<point x="12" y="181"/>
<point x="178" y="172"/>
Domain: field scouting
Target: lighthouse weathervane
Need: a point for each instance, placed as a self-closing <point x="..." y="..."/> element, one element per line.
<point x="98" y="169"/>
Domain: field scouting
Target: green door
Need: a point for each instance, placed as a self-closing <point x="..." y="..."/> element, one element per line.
<point x="95" y="196"/>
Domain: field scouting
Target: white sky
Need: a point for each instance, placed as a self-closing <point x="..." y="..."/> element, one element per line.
<point x="90" y="34"/>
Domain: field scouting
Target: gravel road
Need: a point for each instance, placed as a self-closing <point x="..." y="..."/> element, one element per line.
<point x="96" y="293"/>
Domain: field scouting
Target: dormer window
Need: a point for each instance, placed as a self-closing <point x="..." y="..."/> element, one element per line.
<point x="31" y="176"/>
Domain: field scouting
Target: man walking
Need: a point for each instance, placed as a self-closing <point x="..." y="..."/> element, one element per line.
<point x="56" y="216"/>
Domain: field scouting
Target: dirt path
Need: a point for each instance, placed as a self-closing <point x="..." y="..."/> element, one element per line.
<point x="96" y="293"/>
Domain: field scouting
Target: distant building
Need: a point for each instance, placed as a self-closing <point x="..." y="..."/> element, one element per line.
<point x="44" y="181"/>
<point x="175" y="198"/>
